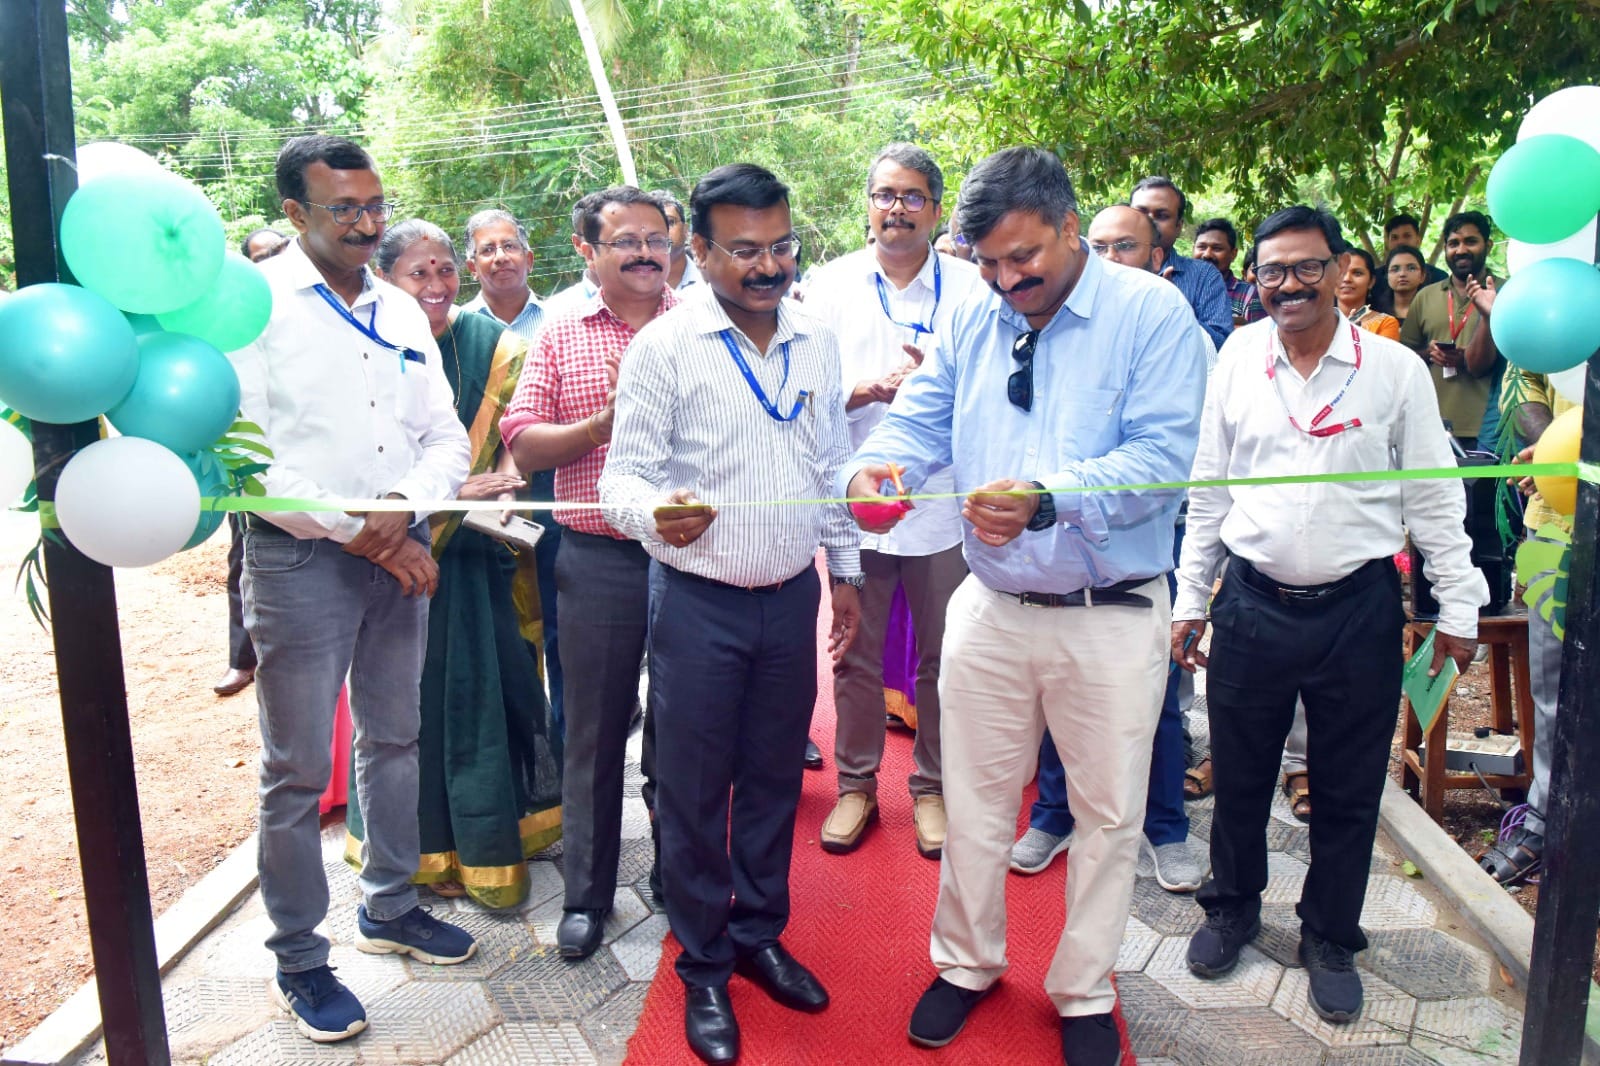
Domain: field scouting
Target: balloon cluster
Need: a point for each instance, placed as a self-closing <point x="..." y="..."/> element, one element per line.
<point x="139" y="340"/>
<point x="1545" y="193"/>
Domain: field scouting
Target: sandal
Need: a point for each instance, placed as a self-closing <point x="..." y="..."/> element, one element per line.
<point x="1517" y="855"/>
<point x="448" y="889"/>
<point x="1297" y="787"/>
<point x="1197" y="780"/>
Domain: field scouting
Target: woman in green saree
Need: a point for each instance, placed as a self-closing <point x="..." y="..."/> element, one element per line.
<point x="490" y="763"/>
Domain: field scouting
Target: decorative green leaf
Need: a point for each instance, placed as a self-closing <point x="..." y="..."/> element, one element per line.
<point x="1543" y="563"/>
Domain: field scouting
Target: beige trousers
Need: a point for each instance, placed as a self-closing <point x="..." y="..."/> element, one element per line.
<point x="1095" y="676"/>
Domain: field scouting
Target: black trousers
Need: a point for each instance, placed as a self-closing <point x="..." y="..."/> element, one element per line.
<point x="603" y="592"/>
<point x="1343" y="657"/>
<point x="734" y="678"/>
<point x="241" y="652"/>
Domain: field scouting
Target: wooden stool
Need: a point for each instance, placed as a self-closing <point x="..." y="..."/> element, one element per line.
<point x="1507" y="638"/>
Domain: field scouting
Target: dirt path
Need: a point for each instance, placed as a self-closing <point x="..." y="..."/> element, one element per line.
<point x="195" y="755"/>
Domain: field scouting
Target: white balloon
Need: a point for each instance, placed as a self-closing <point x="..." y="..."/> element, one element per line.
<point x="1580" y="246"/>
<point x="105" y="158"/>
<point x="1574" y="111"/>
<point x="16" y="463"/>
<point x="1569" y="383"/>
<point x="127" y="501"/>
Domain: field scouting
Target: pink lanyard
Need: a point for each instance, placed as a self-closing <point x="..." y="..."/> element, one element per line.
<point x="1317" y="428"/>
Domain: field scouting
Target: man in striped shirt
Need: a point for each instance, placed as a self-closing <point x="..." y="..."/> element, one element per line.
<point x="561" y="417"/>
<point x="734" y="396"/>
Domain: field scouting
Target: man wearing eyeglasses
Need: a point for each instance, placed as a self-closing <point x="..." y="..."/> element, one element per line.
<point x="1198" y="280"/>
<point x="1310" y="599"/>
<point x="886" y="303"/>
<point x="561" y="417"/>
<point x="347" y="386"/>
<point x="1070" y="374"/>
<point x="682" y="273"/>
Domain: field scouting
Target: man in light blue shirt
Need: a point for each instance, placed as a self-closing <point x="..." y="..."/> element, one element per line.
<point x="1071" y="373"/>
<point x="499" y="258"/>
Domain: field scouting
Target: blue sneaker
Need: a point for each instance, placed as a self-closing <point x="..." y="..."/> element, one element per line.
<point x="323" y="1008"/>
<point x="416" y="933"/>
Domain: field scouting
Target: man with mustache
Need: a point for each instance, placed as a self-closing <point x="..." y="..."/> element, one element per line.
<point x="1443" y="328"/>
<point x="887" y="302"/>
<point x="562" y="417"/>
<point x="350" y="392"/>
<point x="734" y="395"/>
<point x="1310" y="598"/>
<point x="1070" y="374"/>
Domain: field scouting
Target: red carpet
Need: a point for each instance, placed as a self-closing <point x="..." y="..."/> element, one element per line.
<point x="860" y="922"/>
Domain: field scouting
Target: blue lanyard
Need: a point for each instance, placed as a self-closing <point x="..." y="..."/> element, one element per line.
<point x="755" y="386"/>
<point x="917" y="329"/>
<point x="370" y="330"/>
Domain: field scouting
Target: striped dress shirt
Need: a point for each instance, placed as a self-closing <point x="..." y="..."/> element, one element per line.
<point x="687" y="418"/>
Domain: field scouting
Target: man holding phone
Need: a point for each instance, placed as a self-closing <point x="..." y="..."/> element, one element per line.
<point x="1443" y="328"/>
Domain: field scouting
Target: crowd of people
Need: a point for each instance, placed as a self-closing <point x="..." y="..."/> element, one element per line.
<point x="1018" y="357"/>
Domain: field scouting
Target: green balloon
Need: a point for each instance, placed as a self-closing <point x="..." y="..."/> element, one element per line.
<point x="149" y="243"/>
<point x="232" y="313"/>
<point x="1545" y="188"/>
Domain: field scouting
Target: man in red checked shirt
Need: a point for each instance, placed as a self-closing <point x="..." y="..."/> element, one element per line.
<point x="561" y="417"/>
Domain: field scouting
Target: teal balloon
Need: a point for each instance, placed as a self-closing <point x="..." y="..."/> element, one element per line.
<point x="1545" y="188"/>
<point x="149" y="243"/>
<point x="1547" y="318"/>
<point x="143" y="324"/>
<point x="186" y="394"/>
<point x="66" y="355"/>
<point x="212" y="477"/>
<point x="232" y="313"/>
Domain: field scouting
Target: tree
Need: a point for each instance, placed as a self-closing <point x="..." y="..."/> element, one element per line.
<point x="1379" y="105"/>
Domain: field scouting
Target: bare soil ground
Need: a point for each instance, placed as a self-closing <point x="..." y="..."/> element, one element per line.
<point x="195" y="755"/>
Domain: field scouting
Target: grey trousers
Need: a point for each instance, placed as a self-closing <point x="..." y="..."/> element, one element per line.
<point x="1544" y="684"/>
<point x="315" y="614"/>
<point x="858" y="677"/>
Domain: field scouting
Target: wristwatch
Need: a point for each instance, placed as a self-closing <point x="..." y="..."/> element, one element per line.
<point x="1045" y="517"/>
<point x="855" y="581"/>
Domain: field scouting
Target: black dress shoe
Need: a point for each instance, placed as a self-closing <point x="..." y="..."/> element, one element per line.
<point x="709" y="1024"/>
<point x="813" y="755"/>
<point x="784" y="979"/>
<point x="580" y="933"/>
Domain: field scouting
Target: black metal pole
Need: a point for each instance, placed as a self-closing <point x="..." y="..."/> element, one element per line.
<point x="36" y="95"/>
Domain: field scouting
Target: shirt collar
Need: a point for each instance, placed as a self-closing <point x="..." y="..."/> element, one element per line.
<point x="303" y="273"/>
<point x="1341" y="349"/>
<point x="924" y="276"/>
<point x="709" y="317"/>
<point x="1079" y="302"/>
<point x="596" y="304"/>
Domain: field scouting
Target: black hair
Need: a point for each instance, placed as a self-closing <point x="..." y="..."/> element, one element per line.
<point x="1157" y="181"/>
<point x="597" y="202"/>
<point x="264" y="231"/>
<point x="1469" y="218"/>
<point x="1405" y="249"/>
<point x="738" y="184"/>
<point x="397" y="238"/>
<point x="300" y="152"/>
<point x="1302" y="217"/>
<point x="1219" y="225"/>
<point x="1402" y="219"/>
<point x="1366" y="257"/>
<point x="1014" y="179"/>
<point x="912" y="158"/>
<point x="1249" y="259"/>
<point x="666" y="200"/>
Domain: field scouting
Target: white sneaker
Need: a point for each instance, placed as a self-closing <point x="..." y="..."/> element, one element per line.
<point x="1175" y="865"/>
<point x="1035" y="850"/>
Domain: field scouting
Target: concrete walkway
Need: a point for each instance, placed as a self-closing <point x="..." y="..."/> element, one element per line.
<point x="1434" y="993"/>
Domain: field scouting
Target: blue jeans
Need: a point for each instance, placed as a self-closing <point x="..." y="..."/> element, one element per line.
<point x="1165" y="821"/>
<point x="316" y="613"/>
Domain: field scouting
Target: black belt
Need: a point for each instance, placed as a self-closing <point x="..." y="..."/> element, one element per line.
<point x="1367" y="573"/>
<point x="1118" y="595"/>
<point x="758" y="590"/>
<point x="261" y="525"/>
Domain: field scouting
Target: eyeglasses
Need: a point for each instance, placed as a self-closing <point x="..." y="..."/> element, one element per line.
<point x="633" y="245"/>
<point x="489" y="251"/>
<point x="1123" y="247"/>
<point x="1310" y="271"/>
<point x="1019" y="386"/>
<point x="350" y="214"/>
<point x="788" y="248"/>
<point x="884" y="200"/>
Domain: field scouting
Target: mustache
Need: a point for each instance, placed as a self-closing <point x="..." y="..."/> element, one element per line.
<point x="1020" y="287"/>
<point x="898" y="223"/>
<point x="1278" y="299"/>
<point x="360" y="240"/>
<point x="651" y="263"/>
<point x="766" y="279"/>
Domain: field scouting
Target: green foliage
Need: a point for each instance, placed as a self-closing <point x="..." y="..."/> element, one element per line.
<point x="1543" y="565"/>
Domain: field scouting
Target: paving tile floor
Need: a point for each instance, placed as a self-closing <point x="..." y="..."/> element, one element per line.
<point x="1433" y="992"/>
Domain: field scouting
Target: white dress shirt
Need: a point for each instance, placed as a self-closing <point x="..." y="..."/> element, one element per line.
<point x="1318" y="533"/>
<point x="344" y="417"/>
<point x="687" y="418"/>
<point x="844" y="293"/>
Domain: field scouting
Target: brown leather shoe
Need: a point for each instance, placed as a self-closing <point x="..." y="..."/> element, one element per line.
<point x="843" y="829"/>
<point x="928" y="816"/>
<point x="234" y="681"/>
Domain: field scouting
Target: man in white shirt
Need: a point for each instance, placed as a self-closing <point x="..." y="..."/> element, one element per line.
<point x="886" y="303"/>
<point x="682" y="274"/>
<point x="347" y="387"/>
<point x="1310" y="600"/>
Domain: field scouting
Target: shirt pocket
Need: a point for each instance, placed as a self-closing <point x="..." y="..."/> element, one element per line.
<point x="1087" y="423"/>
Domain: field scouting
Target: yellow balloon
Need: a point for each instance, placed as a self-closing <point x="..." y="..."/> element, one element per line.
<point x="1559" y="444"/>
